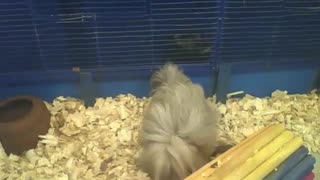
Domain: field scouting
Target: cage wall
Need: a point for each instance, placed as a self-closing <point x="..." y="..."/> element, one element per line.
<point x="256" y="46"/>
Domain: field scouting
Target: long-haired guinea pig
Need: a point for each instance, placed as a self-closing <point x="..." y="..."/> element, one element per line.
<point x="179" y="131"/>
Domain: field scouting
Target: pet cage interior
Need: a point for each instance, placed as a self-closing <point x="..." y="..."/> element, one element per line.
<point x="90" y="62"/>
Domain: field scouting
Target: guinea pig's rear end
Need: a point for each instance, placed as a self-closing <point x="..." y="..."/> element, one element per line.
<point x="179" y="127"/>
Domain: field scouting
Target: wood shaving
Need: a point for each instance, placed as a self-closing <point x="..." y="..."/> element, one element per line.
<point x="102" y="142"/>
<point x="99" y="142"/>
<point x="297" y="112"/>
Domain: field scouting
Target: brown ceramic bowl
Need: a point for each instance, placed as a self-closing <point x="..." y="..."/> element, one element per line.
<point x="22" y="120"/>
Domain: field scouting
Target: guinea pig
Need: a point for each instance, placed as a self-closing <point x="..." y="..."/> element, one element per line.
<point x="179" y="127"/>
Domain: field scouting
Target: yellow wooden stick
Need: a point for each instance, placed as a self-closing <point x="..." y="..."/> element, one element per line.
<point x="208" y="170"/>
<point x="261" y="156"/>
<point x="274" y="161"/>
<point x="246" y="151"/>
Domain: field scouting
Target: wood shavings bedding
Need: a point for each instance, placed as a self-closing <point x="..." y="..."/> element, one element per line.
<point x="298" y="112"/>
<point x="101" y="142"/>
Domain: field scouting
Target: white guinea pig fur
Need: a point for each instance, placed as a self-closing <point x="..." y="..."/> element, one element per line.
<point x="179" y="127"/>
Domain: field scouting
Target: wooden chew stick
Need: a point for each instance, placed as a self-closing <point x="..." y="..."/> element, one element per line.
<point x="301" y="169"/>
<point x="207" y="169"/>
<point x="288" y="164"/>
<point x="246" y="151"/>
<point x="261" y="156"/>
<point x="276" y="159"/>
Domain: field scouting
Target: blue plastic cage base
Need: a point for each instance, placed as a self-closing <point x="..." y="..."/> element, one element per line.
<point x="113" y="82"/>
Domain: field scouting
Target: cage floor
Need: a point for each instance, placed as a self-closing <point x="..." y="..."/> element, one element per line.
<point x="101" y="142"/>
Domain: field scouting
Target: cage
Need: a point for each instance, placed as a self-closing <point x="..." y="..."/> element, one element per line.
<point x="93" y="49"/>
